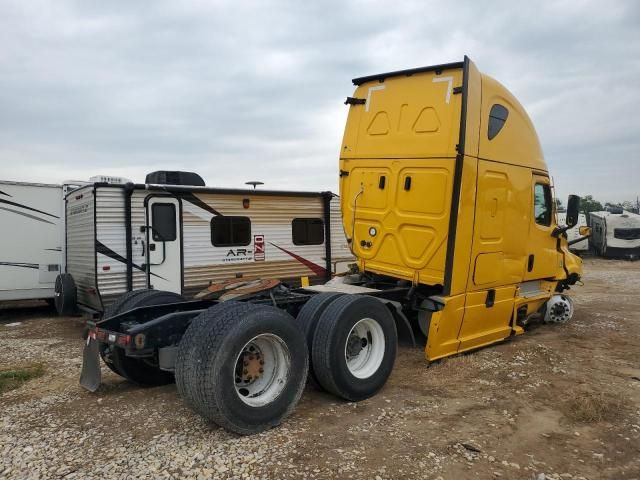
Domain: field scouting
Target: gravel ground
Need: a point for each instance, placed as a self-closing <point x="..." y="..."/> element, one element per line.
<point x="558" y="402"/>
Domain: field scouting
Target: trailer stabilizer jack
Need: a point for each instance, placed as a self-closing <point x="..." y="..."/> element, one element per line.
<point x="91" y="377"/>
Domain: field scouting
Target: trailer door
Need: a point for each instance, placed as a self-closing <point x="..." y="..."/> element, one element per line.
<point x="164" y="244"/>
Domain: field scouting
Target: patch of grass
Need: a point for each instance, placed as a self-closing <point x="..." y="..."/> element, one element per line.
<point x="595" y="407"/>
<point x="13" y="377"/>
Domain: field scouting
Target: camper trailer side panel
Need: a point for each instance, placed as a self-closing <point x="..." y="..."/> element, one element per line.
<point x="617" y="234"/>
<point x="341" y="255"/>
<point x="271" y="218"/>
<point x="80" y="246"/>
<point x="31" y="241"/>
<point x="111" y="247"/>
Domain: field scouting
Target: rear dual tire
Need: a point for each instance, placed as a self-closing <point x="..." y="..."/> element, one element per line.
<point x="354" y="347"/>
<point x="247" y="367"/>
<point x="308" y="319"/>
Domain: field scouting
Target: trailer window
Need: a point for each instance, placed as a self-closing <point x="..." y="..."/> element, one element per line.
<point x="542" y="204"/>
<point x="163" y="221"/>
<point x="497" y="118"/>
<point x="230" y="231"/>
<point x="307" y="231"/>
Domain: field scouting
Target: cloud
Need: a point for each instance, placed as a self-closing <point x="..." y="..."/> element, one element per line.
<point x="253" y="90"/>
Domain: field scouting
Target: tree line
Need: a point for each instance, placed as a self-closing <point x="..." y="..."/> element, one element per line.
<point x="590" y="204"/>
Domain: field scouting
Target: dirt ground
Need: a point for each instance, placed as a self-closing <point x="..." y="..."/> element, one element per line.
<point x="561" y="401"/>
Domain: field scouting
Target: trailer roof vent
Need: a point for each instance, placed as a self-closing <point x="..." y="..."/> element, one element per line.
<point x="164" y="177"/>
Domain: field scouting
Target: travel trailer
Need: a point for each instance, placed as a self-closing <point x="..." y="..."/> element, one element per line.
<point x="31" y="247"/>
<point x="577" y="243"/>
<point x="175" y="234"/>
<point x="615" y="233"/>
<point x="447" y="204"/>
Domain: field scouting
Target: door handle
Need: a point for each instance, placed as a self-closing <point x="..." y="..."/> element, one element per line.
<point x="152" y="247"/>
<point x="491" y="298"/>
<point x="530" y="264"/>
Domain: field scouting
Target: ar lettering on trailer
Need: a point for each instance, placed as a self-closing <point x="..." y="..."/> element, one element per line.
<point x="239" y="252"/>
<point x="239" y="255"/>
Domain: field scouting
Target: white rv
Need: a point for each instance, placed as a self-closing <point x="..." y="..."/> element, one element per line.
<point x="31" y="253"/>
<point x="175" y="234"/>
<point x="615" y="233"/>
<point x="573" y="234"/>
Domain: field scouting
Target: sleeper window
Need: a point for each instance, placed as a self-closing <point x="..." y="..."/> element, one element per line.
<point x="307" y="231"/>
<point x="230" y="231"/>
<point x="542" y="204"/>
<point x="497" y="118"/>
<point x="163" y="220"/>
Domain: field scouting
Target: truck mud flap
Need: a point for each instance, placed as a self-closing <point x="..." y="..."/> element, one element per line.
<point x="90" y="377"/>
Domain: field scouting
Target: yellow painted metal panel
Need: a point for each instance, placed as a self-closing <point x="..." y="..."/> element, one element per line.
<point x="400" y="224"/>
<point x="517" y="142"/>
<point x="464" y="226"/>
<point x="444" y="327"/>
<point x="501" y="223"/>
<point x="482" y="324"/>
<point x="405" y="116"/>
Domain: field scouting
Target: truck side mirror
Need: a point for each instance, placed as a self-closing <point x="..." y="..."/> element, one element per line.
<point x="573" y="207"/>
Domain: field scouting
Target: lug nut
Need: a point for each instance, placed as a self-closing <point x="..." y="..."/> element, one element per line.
<point x="245" y="371"/>
<point x="261" y="362"/>
<point x="262" y="370"/>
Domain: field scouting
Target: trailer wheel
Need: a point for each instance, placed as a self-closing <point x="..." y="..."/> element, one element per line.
<point x="140" y="371"/>
<point x="189" y="359"/>
<point x="354" y="347"/>
<point x="65" y="294"/>
<point x="256" y="369"/>
<point x="308" y="318"/>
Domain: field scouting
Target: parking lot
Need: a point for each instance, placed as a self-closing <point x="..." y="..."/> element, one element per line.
<point x="562" y="401"/>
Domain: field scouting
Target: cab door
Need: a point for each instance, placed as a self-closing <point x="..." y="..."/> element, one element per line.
<point x="164" y="244"/>
<point x="543" y="257"/>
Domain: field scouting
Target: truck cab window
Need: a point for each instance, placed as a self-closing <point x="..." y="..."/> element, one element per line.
<point x="163" y="220"/>
<point x="230" y="231"/>
<point x="542" y="204"/>
<point x="307" y="231"/>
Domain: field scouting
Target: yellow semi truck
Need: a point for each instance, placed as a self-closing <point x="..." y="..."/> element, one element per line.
<point x="448" y="207"/>
<point x="444" y="185"/>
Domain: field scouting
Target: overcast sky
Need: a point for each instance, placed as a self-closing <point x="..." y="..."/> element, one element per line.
<point x="245" y="90"/>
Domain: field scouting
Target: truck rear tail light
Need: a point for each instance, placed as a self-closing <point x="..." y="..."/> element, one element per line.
<point x="100" y="334"/>
<point x="123" y="340"/>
